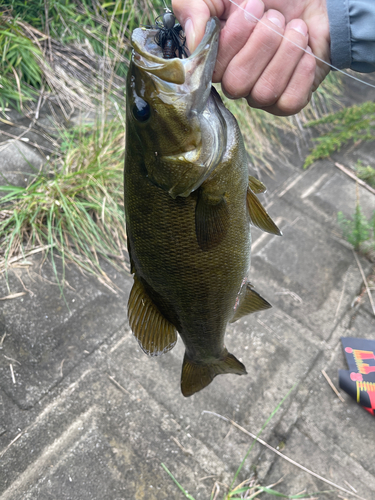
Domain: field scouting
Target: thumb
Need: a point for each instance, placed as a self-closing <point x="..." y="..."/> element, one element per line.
<point x="193" y="17"/>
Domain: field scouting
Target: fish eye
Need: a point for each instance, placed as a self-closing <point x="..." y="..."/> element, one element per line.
<point x="141" y="110"/>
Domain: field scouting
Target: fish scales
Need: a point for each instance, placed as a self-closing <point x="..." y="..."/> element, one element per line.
<point x="188" y="211"/>
<point x="197" y="288"/>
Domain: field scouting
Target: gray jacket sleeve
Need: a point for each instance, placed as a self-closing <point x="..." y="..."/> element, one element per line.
<point x="352" y="31"/>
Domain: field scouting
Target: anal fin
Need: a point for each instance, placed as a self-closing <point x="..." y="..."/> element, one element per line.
<point x="258" y="216"/>
<point x="155" y="334"/>
<point x="250" y="302"/>
<point x="196" y="376"/>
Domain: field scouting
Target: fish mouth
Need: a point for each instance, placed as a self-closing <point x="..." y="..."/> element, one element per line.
<point x="183" y="86"/>
<point x="193" y="72"/>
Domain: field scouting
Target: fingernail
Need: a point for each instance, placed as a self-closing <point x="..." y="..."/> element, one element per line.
<point x="190" y="35"/>
<point x="275" y="20"/>
<point x="308" y="49"/>
<point x="298" y="25"/>
<point x="254" y="10"/>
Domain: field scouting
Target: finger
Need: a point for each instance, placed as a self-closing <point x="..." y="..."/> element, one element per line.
<point x="193" y="17"/>
<point x="235" y="34"/>
<point x="248" y="65"/>
<point x="299" y="89"/>
<point x="321" y="72"/>
<point x="275" y="78"/>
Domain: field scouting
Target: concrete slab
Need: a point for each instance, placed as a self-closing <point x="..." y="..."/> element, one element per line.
<point x="339" y="194"/>
<point x="276" y="357"/>
<point x="59" y="331"/>
<point x="333" y="437"/>
<point x="318" y="453"/>
<point x="303" y="271"/>
<point x="205" y="436"/>
<point x="348" y="422"/>
<point x="93" y="421"/>
<point x="364" y="154"/>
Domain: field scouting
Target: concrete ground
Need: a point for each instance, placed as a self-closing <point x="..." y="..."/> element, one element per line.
<point x="86" y="415"/>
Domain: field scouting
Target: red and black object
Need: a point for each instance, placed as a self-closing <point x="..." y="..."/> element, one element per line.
<point x="359" y="380"/>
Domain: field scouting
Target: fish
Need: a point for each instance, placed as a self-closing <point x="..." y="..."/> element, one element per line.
<point x="189" y="203"/>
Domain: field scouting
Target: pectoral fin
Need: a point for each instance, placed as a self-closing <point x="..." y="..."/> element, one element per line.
<point x="259" y="217"/>
<point x="211" y="219"/>
<point x="256" y="185"/>
<point x="196" y="377"/>
<point x="155" y="334"/>
<point x="250" y="302"/>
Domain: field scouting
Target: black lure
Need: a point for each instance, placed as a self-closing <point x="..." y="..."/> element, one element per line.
<point x="170" y="36"/>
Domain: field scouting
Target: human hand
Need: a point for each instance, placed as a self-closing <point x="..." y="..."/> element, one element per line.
<point x="253" y="61"/>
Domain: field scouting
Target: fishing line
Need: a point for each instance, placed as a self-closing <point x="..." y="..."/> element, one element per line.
<point x="167" y="9"/>
<point x="305" y="50"/>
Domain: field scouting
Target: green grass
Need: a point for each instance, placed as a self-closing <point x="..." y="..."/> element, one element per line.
<point x="72" y="21"/>
<point x="358" y="231"/>
<point x="352" y="124"/>
<point x="103" y="22"/>
<point x="75" y="206"/>
<point x="20" y="73"/>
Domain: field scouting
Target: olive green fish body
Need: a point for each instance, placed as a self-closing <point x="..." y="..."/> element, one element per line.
<point x="188" y="210"/>
<point x="194" y="289"/>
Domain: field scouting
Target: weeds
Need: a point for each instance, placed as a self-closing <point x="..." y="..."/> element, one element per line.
<point x="358" y="229"/>
<point x="73" y="21"/>
<point x="354" y="123"/>
<point x="248" y="488"/>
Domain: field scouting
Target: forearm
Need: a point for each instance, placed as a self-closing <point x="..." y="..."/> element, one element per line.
<point x="352" y="32"/>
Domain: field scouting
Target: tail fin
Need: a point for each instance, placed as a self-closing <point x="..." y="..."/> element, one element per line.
<point x="196" y="377"/>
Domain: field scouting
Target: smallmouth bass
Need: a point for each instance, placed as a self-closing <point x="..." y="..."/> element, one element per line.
<point x="189" y="202"/>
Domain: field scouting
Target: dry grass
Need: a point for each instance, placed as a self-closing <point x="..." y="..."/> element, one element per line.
<point x="75" y="207"/>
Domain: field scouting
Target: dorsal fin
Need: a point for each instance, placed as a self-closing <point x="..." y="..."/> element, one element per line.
<point x="258" y="216"/>
<point x="256" y="185"/>
<point x="250" y="302"/>
<point x="155" y="334"/>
